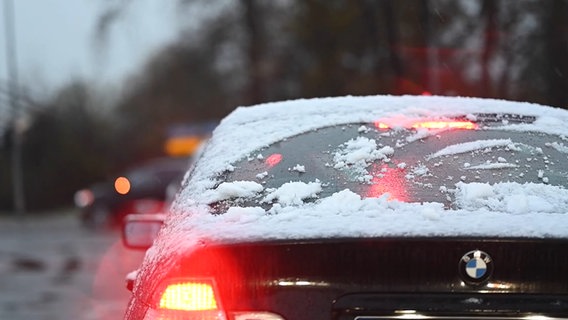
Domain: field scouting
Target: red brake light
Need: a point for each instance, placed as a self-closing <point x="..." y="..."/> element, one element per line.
<point x="188" y="296"/>
<point x="451" y="124"/>
<point x="190" y="299"/>
<point x="444" y="125"/>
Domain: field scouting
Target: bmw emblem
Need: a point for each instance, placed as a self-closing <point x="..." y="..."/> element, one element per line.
<point x="476" y="267"/>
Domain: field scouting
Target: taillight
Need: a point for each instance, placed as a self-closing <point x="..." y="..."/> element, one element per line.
<point x="189" y="299"/>
<point x="189" y="296"/>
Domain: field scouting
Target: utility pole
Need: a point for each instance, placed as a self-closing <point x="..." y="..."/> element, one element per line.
<point x="13" y="93"/>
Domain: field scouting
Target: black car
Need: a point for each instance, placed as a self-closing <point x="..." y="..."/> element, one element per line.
<point x="366" y="208"/>
<point x="141" y="189"/>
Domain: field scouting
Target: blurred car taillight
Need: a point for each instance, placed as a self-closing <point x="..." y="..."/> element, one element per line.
<point x="83" y="198"/>
<point x="197" y="299"/>
<point x="122" y="185"/>
<point x="189" y="299"/>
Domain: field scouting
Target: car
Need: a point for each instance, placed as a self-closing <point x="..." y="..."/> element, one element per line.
<point x="366" y="208"/>
<point x="143" y="188"/>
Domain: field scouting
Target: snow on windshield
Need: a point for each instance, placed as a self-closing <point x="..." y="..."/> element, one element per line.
<point x="357" y="154"/>
<point x="473" y="146"/>
<point x="294" y="193"/>
<point x="502" y="210"/>
<point x="512" y="198"/>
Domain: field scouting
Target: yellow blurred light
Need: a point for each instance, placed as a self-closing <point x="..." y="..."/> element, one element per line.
<point x="122" y="185"/>
<point x="188" y="296"/>
<point x="182" y="146"/>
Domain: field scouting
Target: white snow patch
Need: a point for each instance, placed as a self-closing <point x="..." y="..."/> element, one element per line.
<point x="560" y="147"/>
<point x="299" y="168"/>
<point x="492" y="166"/>
<point x="512" y="198"/>
<point x="236" y="189"/>
<point x="262" y="175"/>
<point x="360" y="151"/>
<point x="472" y="146"/>
<point x="294" y="193"/>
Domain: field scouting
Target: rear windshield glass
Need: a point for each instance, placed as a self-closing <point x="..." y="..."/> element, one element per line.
<point x="407" y="164"/>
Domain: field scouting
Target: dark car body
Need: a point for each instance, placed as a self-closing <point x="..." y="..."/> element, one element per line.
<point x="457" y="211"/>
<point x="105" y="205"/>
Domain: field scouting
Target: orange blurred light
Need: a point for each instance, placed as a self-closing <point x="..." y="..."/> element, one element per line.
<point x="122" y="185"/>
<point x="182" y="146"/>
<point x="189" y="296"/>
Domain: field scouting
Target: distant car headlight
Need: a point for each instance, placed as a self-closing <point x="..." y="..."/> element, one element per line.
<point x="83" y="198"/>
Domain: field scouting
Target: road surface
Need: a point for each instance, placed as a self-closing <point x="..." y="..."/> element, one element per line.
<point x="52" y="269"/>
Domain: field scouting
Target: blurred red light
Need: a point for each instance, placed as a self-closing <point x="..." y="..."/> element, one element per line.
<point x="273" y="159"/>
<point x="467" y="125"/>
<point x="189" y="296"/>
<point x="444" y="125"/>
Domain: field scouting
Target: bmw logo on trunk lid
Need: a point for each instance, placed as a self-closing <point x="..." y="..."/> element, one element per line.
<point x="476" y="267"/>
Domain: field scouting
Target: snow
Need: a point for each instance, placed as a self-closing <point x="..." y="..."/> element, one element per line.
<point x="514" y="198"/>
<point x="483" y="209"/>
<point x="479" y="209"/>
<point x="559" y="147"/>
<point x="294" y="193"/>
<point x="299" y="168"/>
<point x="240" y="189"/>
<point x="360" y="151"/>
<point x="473" y="146"/>
<point x="357" y="154"/>
<point x="492" y="166"/>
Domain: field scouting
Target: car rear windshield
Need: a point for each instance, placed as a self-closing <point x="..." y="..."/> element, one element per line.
<point x="409" y="165"/>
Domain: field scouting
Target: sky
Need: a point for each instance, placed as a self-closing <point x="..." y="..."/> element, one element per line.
<point x="56" y="40"/>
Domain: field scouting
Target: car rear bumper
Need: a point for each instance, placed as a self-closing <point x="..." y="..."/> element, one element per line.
<point x="450" y="306"/>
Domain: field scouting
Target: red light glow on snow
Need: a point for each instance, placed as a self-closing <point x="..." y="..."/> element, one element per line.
<point x="388" y="180"/>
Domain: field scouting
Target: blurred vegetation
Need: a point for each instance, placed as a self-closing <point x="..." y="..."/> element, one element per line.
<point x="251" y="51"/>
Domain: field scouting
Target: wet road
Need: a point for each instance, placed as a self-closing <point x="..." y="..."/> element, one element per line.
<point x="52" y="269"/>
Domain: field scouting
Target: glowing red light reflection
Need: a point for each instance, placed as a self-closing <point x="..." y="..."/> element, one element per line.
<point x="388" y="180"/>
<point x="273" y="159"/>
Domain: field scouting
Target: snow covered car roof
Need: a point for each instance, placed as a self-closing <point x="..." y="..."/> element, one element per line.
<point x="507" y="209"/>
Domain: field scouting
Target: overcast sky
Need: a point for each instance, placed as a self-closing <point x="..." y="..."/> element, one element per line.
<point x="56" y="41"/>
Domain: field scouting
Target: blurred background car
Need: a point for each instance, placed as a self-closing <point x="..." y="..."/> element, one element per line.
<point x="366" y="208"/>
<point x="143" y="189"/>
